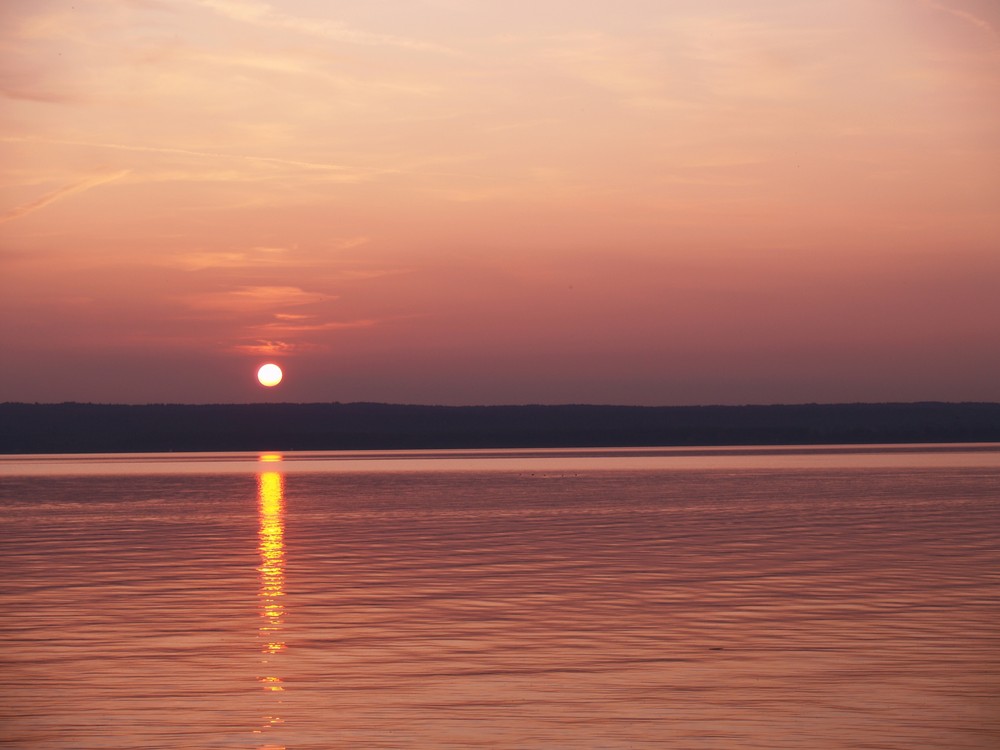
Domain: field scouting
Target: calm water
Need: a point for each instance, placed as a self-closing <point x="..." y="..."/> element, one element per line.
<point x="778" y="598"/>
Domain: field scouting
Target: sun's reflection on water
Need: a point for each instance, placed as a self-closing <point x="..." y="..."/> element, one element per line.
<point x="271" y="545"/>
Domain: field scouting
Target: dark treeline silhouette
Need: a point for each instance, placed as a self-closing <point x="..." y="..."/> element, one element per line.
<point x="110" y="428"/>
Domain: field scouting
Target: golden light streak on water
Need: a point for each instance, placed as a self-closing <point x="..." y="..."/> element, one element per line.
<point x="271" y="545"/>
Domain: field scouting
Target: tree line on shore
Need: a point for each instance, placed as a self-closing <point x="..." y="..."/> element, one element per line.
<point x="113" y="428"/>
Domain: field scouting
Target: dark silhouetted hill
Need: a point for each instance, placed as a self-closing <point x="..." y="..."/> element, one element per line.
<point x="110" y="428"/>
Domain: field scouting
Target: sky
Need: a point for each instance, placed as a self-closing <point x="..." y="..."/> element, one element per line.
<point x="500" y="201"/>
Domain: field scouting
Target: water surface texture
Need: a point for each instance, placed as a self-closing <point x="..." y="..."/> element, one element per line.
<point x="692" y="598"/>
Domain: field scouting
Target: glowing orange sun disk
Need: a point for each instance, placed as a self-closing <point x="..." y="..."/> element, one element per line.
<point x="269" y="375"/>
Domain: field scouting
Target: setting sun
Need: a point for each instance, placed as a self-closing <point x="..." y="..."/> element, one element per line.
<point x="269" y="375"/>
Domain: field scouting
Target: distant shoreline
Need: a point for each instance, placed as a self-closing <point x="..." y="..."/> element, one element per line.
<point x="119" y="428"/>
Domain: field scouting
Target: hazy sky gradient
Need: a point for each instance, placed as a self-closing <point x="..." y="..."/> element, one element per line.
<point x="475" y="201"/>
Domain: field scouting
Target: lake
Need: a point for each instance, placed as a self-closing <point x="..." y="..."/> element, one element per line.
<point x="792" y="597"/>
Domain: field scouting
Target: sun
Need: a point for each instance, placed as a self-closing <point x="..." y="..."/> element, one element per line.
<point x="269" y="375"/>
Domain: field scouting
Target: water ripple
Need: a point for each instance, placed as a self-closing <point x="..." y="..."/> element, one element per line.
<point x="751" y="608"/>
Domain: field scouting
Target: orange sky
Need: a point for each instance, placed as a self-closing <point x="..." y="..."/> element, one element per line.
<point x="476" y="201"/>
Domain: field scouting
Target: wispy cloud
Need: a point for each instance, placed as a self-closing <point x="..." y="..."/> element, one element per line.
<point x="78" y="187"/>
<point x="349" y="242"/>
<point x="199" y="260"/>
<point x="264" y="15"/>
<point x="292" y="316"/>
<point x="966" y="16"/>
<point x="292" y="334"/>
<point x="35" y="94"/>
<point x="269" y="257"/>
<point x="629" y="71"/>
<point x="249" y="299"/>
<point x="266" y="347"/>
<point x="345" y="173"/>
<point x="284" y="325"/>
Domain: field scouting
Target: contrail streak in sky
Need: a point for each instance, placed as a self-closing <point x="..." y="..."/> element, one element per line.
<point x="51" y="197"/>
